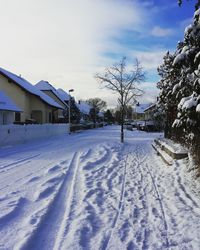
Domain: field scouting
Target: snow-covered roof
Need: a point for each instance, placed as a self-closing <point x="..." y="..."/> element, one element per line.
<point x="140" y="108"/>
<point x="150" y="106"/>
<point x="7" y="104"/>
<point x="84" y="107"/>
<point x="29" y="87"/>
<point x="44" y="85"/>
<point x="63" y="94"/>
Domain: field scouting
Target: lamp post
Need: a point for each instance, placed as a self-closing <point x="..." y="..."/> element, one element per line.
<point x="71" y="90"/>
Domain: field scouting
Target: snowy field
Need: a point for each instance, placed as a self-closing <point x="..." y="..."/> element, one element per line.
<point x="87" y="191"/>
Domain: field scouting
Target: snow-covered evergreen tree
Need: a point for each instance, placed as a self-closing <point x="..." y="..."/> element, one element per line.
<point x="167" y="98"/>
<point x="188" y="61"/>
<point x="197" y="3"/>
<point x="179" y="87"/>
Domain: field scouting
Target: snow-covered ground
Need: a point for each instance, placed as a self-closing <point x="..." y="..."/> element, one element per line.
<point x="87" y="191"/>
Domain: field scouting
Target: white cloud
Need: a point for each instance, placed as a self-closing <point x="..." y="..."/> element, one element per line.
<point x="150" y="60"/>
<point x="150" y="93"/>
<point x="161" y="32"/>
<point x="63" y="41"/>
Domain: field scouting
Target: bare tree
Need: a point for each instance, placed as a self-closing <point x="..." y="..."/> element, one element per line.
<point x="97" y="105"/>
<point x="124" y="82"/>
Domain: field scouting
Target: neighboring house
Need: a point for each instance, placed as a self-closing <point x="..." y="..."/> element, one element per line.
<point x="49" y="90"/>
<point x="84" y="108"/>
<point x="149" y="112"/>
<point x="35" y="105"/>
<point x="63" y="95"/>
<point x="153" y="115"/>
<point x="7" y="109"/>
<point x="138" y="111"/>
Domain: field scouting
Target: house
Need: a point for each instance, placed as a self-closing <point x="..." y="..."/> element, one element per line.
<point x="149" y="112"/>
<point x="35" y="104"/>
<point x="63" y="95"/>
<point x="154" y="116"/>
<point x="49" y="90"/>
<point x="7" y="109"/>
<point x="138" y="111"/>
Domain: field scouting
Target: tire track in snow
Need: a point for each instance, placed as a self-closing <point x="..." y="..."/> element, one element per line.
<point x="145" y="188"/>
<point x="142" y="232"/>
<point x="109" y="236"/>
<point x="86" y="207"/>
<point x="161" y="207"/>
<point x="17" y="163"/>
<point x="49" y="230"/>
<point x="24" y="177"/>
<point x="181" y="208"/>
<point x="123" y="227"/>
<point x="186" y="198"/>
<point x="183" y="197"/>
<point x="91" y="200"/>
<point x="187" y="195"/>
<point x="30" y="174"/>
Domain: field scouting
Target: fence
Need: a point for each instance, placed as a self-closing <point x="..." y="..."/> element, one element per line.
<point x="16" y="134"/>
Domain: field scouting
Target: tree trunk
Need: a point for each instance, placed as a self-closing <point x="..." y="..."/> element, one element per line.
<point x="122" y="126"/>
<point x="122" y="132"/>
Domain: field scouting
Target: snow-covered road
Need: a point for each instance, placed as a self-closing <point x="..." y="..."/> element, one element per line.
<point x="87" y="191"/>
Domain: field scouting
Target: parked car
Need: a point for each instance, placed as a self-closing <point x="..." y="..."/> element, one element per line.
<point x="148" y="126"/>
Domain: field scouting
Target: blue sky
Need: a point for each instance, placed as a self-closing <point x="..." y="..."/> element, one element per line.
<point x="164" y="28"/>
<point x="67" y="41"/>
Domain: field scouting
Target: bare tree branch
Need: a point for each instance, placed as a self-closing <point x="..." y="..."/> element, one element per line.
<point x="124" y="82"/>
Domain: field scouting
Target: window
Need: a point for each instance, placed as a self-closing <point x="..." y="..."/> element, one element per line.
<point x="4" y="118"/>
<point x="50" y="117"/>
<point x="17" y="117"/>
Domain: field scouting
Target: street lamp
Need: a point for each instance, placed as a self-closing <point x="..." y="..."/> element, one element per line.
<point x="71" y="90"/>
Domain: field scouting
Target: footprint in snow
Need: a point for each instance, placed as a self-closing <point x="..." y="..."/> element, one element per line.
<point x="138" y="236"/>
<point x="13" y="210"/>
<point x="54" y="180"/>
<point x="90" y="193"/>
<point x="54" y="168"/>
<point x="33" y="221"/>
<point x="44" y="193"/>
<point x="15" y="192"/>
<point x="155" y="212"/>
<point x="124" y="231"/>
<point x="64" y="162"/>
<point x="131" y="246"/>
<point x="136" y="213"/>
<point x="3" y="198"/>
<point x="35" y="178"/>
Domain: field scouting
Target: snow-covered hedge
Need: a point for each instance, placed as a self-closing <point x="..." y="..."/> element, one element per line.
<point x="14" y="134"/>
